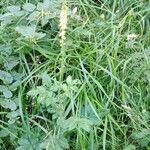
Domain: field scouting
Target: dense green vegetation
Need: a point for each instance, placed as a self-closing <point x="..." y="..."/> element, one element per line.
<point x="75" y="74"/>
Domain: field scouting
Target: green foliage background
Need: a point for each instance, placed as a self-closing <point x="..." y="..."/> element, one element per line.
<point x="102" y="101"/>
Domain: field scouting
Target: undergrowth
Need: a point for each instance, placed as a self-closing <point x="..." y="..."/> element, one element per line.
<point x="74" y="74"/>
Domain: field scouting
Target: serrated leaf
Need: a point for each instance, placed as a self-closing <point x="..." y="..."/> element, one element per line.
<point x="15" y="85"/>
<point x="69" y="80"/>
<point x="142" y="137"/>
<point x="6" y="92"/>
<point x="3" y="133"/>
<point x="11" y="63"/>
<point x="130" y="147"/>
<point x="85" y="124"/>
<point x="40" y="6"/>
<point x="9" y="104"/>
<point x="47" y="4"/>
<point x="45" y="19"/>
<point x="17" y="76"/>
<point x="55" y="143"/>
<point x="76" y="122"/>
<point x="29" y="7"/>
<point x="46" y="80"/>
<point x="14" y="8"/>
<point x="6" y="77"/>
<point x="12" y="114"/>
<point x="23" y="141"/>
<point x="27" y="31"/>
<point x="4" y="16"/>
<point x="6" y="19"/>
<point x="39" y="35"/>
<point x="5" y="50"/>
<point x="35" y="92"/>
<point x="34" y="16"/>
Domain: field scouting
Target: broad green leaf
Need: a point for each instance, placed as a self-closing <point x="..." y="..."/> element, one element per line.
<point x="17" y="76"/>
<point x="47" y="4"/>
<point x="45" y="19"/>
<point x="57" y="142"/>
<point x="40" y="6"/>
<point x="88" y="112"/>
<point x="4" y="133"/>
<point x="34" y="16"/>
<point x="5" y="50"/>
<point x="15" y="85"/>
<point x="69" y="80"/>
<point x="85" y="124"/>
<point x="35" y="92"/>
<point x="77" y="123"/>
<point x="12" y="115"/>
<point x="6" y="77"/>
<point x="29" y="7"/>
<point x="39" y="35"/>
<point x="8" y="104"/>
<point x="6" y="92"/>
<point x="23" y="141"/>
<point x="10" y="63"/>
<point x="130" y="147"/>
<point x="14" y="8"/>
<point x="28" y="142"/>
<point x="46" y="80"/>
<point x="6" y="19"/>
<point x="142" y="137"/>
<point x="27" y="31"/>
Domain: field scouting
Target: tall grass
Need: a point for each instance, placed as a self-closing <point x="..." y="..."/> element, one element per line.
<point x="105" y="45"/>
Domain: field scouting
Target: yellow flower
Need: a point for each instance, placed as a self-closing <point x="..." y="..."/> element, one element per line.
<point x="63" y="23"/>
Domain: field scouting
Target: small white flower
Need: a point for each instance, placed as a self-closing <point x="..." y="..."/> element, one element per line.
<point x="126" y="107"/>
<point x="74" y="11"/>
<point x="144" y="111"/>
<point x="132" y="37"/>
<point x="102" y="16"/>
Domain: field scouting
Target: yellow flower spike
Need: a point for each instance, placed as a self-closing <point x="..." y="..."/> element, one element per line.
<point x="63" y="23"/>
<point x="62" y="34"/>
